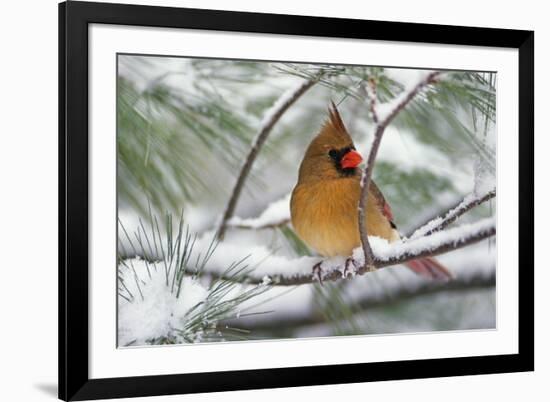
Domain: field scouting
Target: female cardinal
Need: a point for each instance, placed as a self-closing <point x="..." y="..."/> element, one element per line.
<point x="325" y="200"/>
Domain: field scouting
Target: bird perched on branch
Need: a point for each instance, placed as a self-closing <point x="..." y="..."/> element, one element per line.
<point x="325" y="200"/>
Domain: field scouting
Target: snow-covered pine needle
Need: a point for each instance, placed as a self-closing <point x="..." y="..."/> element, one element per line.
<point x="182" y="308"/>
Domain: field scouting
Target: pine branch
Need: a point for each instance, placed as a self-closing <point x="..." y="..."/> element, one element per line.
<point x="436" y="244"/>
<point x="441" y="221"/>
<point x="271" y="117"/>
<point x="382" y="121"/>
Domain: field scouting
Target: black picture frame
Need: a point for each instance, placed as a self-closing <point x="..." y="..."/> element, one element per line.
<point x="74" y="18"/>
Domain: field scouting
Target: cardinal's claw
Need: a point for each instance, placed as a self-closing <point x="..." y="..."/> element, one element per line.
<point x="317" y="271"/>
<point x="346" y="266"/>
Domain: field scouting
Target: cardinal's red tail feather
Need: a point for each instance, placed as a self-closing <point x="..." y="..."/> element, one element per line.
<point x="429" y="268"/>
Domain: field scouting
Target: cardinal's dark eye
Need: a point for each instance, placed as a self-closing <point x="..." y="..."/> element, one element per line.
<point x="333" y="154"/>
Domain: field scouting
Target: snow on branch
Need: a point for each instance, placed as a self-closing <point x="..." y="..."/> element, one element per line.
<point x="383" y="115"/>
<point x="281" y="271"/>
<point x="371" y="95"/>
<point x="441" y="221"/>
<point x="151" y="311"/>
<point x="271" y="117"/>
<point x="276" y="214"/>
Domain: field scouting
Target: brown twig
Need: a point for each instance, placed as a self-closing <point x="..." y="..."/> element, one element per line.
<point x="441" y="221"/>
<point x="262" y="135"/>
<point x="381" y="124"/>
<point x="371" y="93"/>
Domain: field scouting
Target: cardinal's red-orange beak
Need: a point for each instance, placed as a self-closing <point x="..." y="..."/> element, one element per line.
<point x="351" y="160"/>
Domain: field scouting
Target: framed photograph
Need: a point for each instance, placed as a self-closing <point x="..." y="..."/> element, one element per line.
<point x="257" y="200"/>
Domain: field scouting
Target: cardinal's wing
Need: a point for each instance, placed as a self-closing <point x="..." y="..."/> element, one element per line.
<point x="382" y="203"/>
<point x="428" y="267"/>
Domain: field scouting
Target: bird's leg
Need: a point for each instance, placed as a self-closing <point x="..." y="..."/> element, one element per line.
<point x="317" y="271"/>
<point x="346" y="266"/>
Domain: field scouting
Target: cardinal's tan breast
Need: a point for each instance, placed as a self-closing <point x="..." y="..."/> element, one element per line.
<point x="324" y="215"/>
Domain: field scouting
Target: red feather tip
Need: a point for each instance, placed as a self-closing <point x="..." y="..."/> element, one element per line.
<point x="387" y="211"/>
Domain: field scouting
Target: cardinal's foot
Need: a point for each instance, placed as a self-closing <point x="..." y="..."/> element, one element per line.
<point x="318" y="272"/>
<point x="347" y="270"/>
